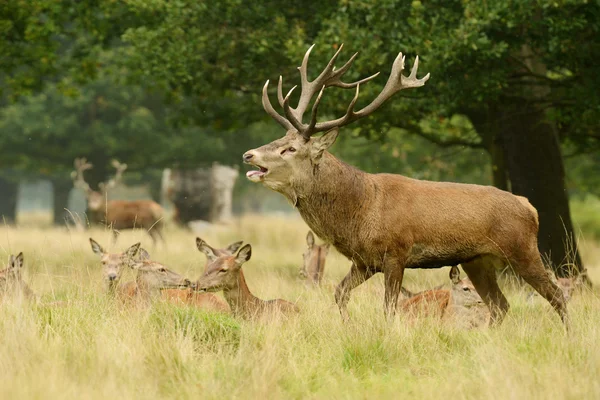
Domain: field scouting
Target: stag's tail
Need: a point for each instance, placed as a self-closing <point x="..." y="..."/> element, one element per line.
<point x="533" y="210"/>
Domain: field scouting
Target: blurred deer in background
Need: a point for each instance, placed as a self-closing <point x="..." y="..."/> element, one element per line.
<point x="461" y="305"/>
<point x="387" y="222"/>
<point x="569" y="285"/>
<point x="118" y="214"/>
<point x="12" y="284"/>
<point x="314" y="260"/>
<point x="225" y="273"/>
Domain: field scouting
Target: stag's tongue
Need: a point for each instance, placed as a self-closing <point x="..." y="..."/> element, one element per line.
<point x="254" y="172"/>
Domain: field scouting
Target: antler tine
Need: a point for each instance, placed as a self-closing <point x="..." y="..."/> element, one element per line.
<point x="80" y="165"/>
<point x="313" y="115"/>
<point x="289" y="113"/>
<point x="395" y="83"/>
<point x="271" y="111"/>
<point x="280" y="91"/>
<point x="303" y="68"/>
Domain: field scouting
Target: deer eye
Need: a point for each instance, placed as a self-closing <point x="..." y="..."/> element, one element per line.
<point x="292" y="150"/>
<point x="162" y="270"/>
<point x="222" y="271"/>
<point x="466" y="289"/>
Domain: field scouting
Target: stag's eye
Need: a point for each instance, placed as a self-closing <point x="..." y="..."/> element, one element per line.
<point x="292" y="150"/>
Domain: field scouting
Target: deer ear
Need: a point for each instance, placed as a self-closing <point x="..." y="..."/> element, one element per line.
<point x="16" y="262"/>
<point x="310" y="239"/>
<point x="133" y="250"/>
<point x="455" y="275"/>
<point x="143" y="254"/>
<point x="96" y="248"/>
<point x="206" y="249"/>
<point x="243" y="255"/>
<point x="233" y="247"/>
<point x="322" y="143"/>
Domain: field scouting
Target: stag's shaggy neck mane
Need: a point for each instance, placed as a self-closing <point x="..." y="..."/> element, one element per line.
<point x="336" y="201"/>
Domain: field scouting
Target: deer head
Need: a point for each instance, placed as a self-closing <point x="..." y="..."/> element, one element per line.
<point x="96" y="199"/>
<point x="212" y="254"/>
<point x="222" y="273"/>
<point x="463" y="291"/>
<point x="11" y="277"/>
<point x="153" y="276"/>
<point x="314" y="258"/>
<point x="292" y="160"/>
<point x="114" y="264"/>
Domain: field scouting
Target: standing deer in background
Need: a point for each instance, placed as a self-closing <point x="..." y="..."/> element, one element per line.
<point x="388" y="222"/>
<point x="12" y="284"/>
<point x="462" y="306"/>
<point x="225" y="273"/>
<point x="118" y="214"/>
<point x="314" y="260"/>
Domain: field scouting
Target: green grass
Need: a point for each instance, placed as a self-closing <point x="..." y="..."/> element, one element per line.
<point x="94" y="348"/>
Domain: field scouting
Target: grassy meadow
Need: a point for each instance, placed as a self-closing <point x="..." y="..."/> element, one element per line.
<point x="96" y="349"/>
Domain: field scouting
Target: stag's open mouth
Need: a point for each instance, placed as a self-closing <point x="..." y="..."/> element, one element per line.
<point x="257" y="174"/>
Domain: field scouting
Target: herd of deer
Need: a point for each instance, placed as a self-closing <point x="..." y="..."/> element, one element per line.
<point x="381" y="222"/>
<point x="460" y="305"/>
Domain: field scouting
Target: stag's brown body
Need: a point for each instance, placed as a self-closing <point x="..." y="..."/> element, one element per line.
<point x="386" y="222"/>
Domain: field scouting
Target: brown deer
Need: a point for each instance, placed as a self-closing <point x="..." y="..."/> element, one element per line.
<point x="569" y="285"/>
<point x="118" y="214"/>
<point x="225" y="273"/>
<point x="12" y="284"/>
<point x="314" y="260"/>
<point x="207" y="301"/>
<point x="388" y="222"/>
<point x="113" y="265"/>
<point x="461" y="305"/>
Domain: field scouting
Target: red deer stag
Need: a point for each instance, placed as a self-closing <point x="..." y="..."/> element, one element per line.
<point x="225" y="273"/>
<point x="387" y="222"/>
<point x="118" y="214"/>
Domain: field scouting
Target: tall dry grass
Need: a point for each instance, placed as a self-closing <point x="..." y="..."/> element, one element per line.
<point x="93" y="348"/>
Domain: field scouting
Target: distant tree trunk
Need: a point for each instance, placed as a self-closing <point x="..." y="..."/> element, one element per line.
<point x="537" y="172"/>
<point x="60" y="196"/>
<point x="499" y="168"/>
<point x="8" y="200"/>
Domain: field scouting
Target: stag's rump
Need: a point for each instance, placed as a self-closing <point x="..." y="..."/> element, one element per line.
<point x="122" y="214"/>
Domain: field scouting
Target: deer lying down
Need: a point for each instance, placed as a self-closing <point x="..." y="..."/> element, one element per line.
<point x="114" y="264"/>
<point x="207" y="301"/>
<point x="568" y="285"/>
<point x="314" y="260"/>
<point x="225" y="273"/>
<point x="461" y="305"/>
<point x="12" y="284"/>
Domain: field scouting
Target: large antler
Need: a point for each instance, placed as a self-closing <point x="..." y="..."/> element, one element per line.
<point x="115" y="180"/>
<point x="332" y="77"/>
<point x="81" y="165"/>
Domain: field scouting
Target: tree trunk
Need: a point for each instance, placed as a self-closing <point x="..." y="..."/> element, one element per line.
<point x="499" y="169"/>
<point x="8" y="200"/>
<point x="60" y="196"/>
<point x="537" y="172"/>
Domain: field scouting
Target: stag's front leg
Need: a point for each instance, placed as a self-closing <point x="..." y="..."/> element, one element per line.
<point x="393" y="275"/>
<point x="356" y="276"/>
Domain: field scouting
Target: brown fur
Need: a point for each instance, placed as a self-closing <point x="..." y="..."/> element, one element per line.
<point x="12" y="284"/>
<point x="460" y="306"/>
<point x="386" y="223"/>
<point x="119" y="214"/>
<point x="314" y="260"/>
<point x="225" y="273"/>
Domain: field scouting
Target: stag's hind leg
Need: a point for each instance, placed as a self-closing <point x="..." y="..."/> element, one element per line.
<point x="531" y="269"/>
<point x="355" y="277"/>
<point x="393" y="286"/>
<point x="482" y="272"/>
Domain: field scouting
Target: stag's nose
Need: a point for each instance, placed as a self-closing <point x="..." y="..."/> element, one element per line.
<point x="247" y="156"/>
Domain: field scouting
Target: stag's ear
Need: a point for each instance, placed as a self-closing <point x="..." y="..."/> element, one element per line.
<point x="143" y="255"/>
<point x="310" y="239"/>
<point x="96" y="248"/>
<point x="233" y="247"/>
<point x="454" y="275"/>
<point x="133" y="250"/>
<point x="206" y="249"/>
<point x="243" y="255"/>
<point x="322" y="143"/>
<point x="16" y="262"/>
